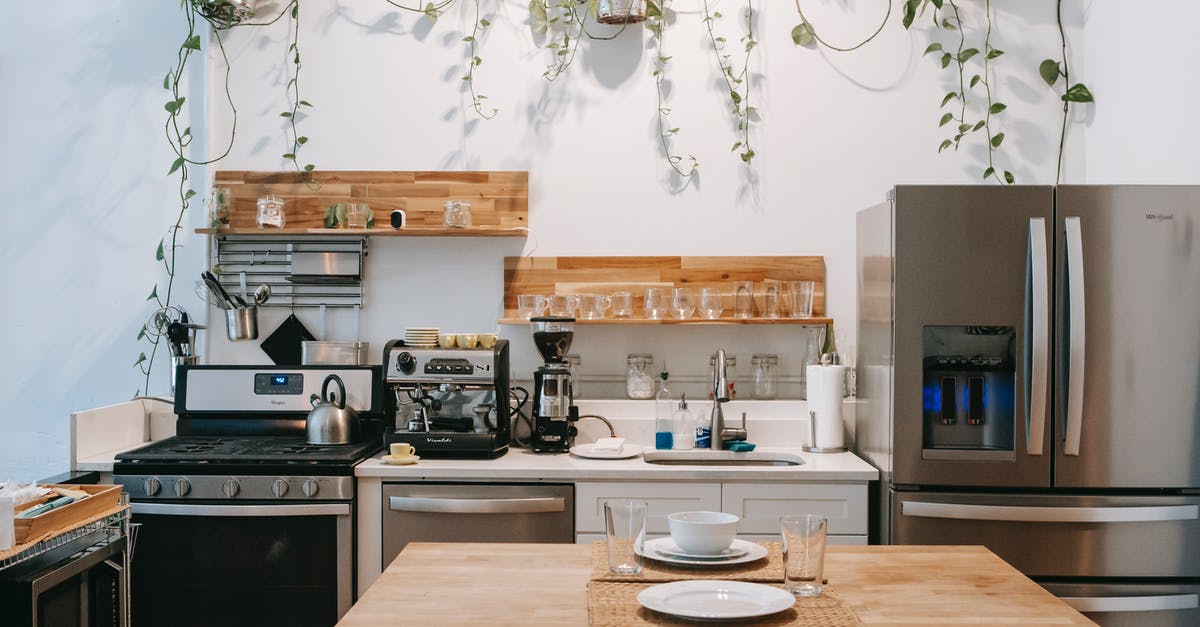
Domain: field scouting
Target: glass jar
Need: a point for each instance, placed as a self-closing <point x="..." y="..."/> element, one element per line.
<point x="458" y="214"/>
<point x="639" y="383"/>
<point x="764" y="370"/>
<point x="572" y="362"/>
<point x="270" y="212"/>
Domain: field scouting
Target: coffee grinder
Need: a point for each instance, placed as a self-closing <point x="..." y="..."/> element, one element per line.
<point x="553" y="409"/>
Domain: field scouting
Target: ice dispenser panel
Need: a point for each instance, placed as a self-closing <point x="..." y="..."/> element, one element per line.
<point x="969" y="393"/>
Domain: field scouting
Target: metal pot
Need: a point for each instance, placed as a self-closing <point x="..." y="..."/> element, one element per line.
<point x="331" y="421"/>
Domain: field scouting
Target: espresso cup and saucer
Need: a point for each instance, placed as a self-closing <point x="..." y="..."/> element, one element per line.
<point x="402" y="454"/>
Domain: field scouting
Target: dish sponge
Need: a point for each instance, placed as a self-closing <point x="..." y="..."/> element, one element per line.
<point x="739" y="446"/>
<point x="609" y="444"/>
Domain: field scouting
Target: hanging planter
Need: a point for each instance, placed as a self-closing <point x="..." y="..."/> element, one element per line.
<point x="621" y="11"/>
<point x="225" y="13"/>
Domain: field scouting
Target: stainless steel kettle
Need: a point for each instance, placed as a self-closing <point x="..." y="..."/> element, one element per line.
<point x="331" y="421"/>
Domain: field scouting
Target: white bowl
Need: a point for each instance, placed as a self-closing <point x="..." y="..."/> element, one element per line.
<point x="703" y="533"/>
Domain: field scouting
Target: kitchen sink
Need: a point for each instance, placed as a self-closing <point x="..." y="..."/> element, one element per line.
<point x="721" y="458"/>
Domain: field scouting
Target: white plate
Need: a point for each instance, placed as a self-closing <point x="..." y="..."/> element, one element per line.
<point x="401" y="460"/>
<point x="754" y="551"/>
<point x="666" y="546"/>
<point x="589" y="451"/>
<point x="715" y="599"/>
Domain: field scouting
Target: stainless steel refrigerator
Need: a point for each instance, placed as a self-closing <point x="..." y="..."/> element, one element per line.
<point x="1028" y="375"/>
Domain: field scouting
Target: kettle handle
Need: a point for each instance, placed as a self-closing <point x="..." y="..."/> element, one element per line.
<point x="341" y="398"/>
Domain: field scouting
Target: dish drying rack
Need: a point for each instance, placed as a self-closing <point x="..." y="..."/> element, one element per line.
<point x="98" y="533"/>
<point x="256" y="260"/>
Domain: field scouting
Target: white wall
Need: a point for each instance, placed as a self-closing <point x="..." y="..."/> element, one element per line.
<point x="84" y="161"/>
<point x="83" y="165"/>
<point x="836" y="131"/>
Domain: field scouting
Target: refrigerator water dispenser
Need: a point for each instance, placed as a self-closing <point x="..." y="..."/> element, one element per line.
<point x="969" y="393"/>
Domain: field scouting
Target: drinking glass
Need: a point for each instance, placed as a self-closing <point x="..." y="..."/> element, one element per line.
<point x="771" y="294"/>
<point x="530" y="305"/>
<point x="563" y="305"/>
<point x="802" y="298"/>
<point x="622" y="304"/>
<point x="710" y="303"/>
<point x="658" y="300"/>
<point x="625" y="528"/>
<point x="356" y="215"/>
<point x="683" y="303"/>
<point x="803" y="553"/>
<point x="219" y="207"/>
<point x="743" y="299"/>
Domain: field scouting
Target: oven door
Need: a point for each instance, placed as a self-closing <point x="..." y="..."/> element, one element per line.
<point x="245" y="564"/>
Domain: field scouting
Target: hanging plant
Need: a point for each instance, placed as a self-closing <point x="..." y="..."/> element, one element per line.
<point x="964" y="124"/>
<point x="656" y="22"/>
<point x="805" y="34"/>
<point x="293" y="90"/>
<point x="736" y="81"/>
<point x="1050" y="70"/>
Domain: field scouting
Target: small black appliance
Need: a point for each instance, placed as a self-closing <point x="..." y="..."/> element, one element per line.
<point x="554" y="409"/>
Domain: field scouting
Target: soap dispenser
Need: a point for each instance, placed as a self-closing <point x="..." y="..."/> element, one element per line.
<point x="663" y="413"/>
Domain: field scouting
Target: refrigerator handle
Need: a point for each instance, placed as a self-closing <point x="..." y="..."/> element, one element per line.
<point x="1075" y="349"/>
<point x="1037" y="374"/>
<point x="1166" y="602"/>
<point x="1024" y="513"/>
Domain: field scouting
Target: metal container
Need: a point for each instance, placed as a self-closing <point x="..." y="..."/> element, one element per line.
<point x="317" y="353"/>
<point x="241" y="323"/>
<point x="326" y="267"/>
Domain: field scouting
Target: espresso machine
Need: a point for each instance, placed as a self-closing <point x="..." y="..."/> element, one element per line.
<point x="553" y="408"/>
<point x="448" y="402"/>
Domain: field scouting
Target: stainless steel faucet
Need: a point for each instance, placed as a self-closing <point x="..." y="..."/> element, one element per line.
<point x="720" y="433"/>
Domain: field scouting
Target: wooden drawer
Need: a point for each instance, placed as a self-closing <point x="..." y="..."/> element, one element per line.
<point x="761" y="504"/>
<point x="662" y="498"/>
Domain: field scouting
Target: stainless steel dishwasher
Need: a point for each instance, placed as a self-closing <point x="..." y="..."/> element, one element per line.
<point x="475" y="512"/>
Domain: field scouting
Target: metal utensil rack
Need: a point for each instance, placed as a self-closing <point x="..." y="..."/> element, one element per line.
<point x="266" y="259"/>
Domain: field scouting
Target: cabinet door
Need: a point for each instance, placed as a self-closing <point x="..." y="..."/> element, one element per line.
<point x="761" y="504"/>
<point x="662" y="500"/>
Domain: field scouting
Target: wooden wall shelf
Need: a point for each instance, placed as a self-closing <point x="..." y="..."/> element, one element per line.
<point x="605" y="275"/>
<point x="499" y="201"/>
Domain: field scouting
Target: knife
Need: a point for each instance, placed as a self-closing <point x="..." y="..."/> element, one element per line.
<point x="47" y="506"/>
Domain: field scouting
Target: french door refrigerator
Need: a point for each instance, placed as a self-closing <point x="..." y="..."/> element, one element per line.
<point x="1029" y="379"/>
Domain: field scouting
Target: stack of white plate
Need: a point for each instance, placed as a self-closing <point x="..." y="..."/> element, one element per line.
<point x="421" y="337"/>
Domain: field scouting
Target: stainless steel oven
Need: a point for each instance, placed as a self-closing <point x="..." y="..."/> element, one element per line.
<point x="242" y="522"/>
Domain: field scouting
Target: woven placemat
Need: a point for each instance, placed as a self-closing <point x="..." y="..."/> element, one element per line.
<point x="614" y="604"/>
<point x="768" y="569"/>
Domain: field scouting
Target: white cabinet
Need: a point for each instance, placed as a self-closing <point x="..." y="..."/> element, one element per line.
<point x="759" y="505"/>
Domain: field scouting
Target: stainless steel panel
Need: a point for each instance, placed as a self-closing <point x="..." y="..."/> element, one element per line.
<point x="961" y="255"/>
<point x="466" y="514"/>
<point x="232" y="389"/>
<point x="1111" y="536"/>
<point x="1133" y="605"/>
<point x="1140" y="415"/>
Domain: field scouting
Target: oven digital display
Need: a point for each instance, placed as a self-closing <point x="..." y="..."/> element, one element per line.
<point x="278" y="383"/>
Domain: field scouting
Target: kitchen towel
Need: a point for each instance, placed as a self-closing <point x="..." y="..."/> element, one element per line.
<point x="6" y="523"/>
<point x="825" y="387"/>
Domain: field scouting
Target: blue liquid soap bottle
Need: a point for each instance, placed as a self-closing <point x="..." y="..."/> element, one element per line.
<point x="664" y="438"/>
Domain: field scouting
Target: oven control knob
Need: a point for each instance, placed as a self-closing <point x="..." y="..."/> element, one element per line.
<point x="310" y="487"/>
<point x="279" y="488"/>
<point x="406" y="362"/>
<point x="152" y="486"/>
<point x="182" y="487"/>
<point x="231" y="487"/>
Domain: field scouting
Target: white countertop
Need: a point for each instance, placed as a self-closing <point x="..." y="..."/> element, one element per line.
<point x="525" y="465"/>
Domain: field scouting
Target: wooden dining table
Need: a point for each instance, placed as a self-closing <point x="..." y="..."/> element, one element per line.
<point x="546" y="584"/>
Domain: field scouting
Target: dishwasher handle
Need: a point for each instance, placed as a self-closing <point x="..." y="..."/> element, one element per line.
<point x="438" y="505"/>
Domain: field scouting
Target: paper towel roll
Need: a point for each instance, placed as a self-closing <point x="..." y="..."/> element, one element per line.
<point x="825" y="386"/>
<point x="7" y="524"/>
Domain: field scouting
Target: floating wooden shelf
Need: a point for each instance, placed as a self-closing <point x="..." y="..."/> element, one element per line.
<point x="499" y="201"/>
<point x="693" y="320"/>
<point x="605" y="275"/>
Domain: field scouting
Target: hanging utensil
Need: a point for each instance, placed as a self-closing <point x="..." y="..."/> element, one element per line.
<point x="215" y="285"/>
<point x="262" y="293"/>
<point x="206" y="293"/>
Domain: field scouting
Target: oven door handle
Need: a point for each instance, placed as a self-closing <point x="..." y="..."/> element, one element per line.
<point x="534" y="505"/>
<point x="229" y="511"/>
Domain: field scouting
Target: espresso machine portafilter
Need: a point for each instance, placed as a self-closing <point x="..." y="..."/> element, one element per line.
<point x="554" y="411"/>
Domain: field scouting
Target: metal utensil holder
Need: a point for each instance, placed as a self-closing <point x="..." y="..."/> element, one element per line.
<point x="268" y="260"/>
<point x="241" y="323"/>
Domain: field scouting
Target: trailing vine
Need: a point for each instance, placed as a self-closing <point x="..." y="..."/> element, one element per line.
<point x="960" y="56"/>
<point x="1050" y="70"/>
<point x="656" y="21"/>
<point x="473" y="61"/>
<point x="293" y="89"/>
<point x="805" y="34"/>
<point x="563" y="15"/>
<point x="735" y="81"/>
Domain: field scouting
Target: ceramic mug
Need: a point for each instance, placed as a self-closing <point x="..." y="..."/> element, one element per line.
<point x="401" y="449"/>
